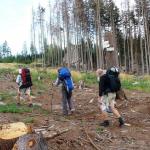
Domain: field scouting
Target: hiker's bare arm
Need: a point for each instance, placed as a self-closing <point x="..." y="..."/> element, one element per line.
<point x="57" y="82"/>
<point x="100" y="99"/>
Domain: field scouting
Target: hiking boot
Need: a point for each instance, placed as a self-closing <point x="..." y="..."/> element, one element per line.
<point x="105" y="123"/>
<point x="72" y="110"/>
<point x="65" y="113"/>
<point x="18" y="104"/>
<point x="121" y="122"/>
<point x="30" y="105"/>
<point x="109" y="110"/>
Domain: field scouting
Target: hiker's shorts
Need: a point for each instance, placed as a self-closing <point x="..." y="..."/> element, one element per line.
<point x="25" y="91"/>
<point x="107" y="101"/>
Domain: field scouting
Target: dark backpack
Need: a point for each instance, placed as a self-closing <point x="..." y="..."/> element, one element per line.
<point x="65" y="76"/>
<point x="114" y="81"/>
<point x="26" y="78"/>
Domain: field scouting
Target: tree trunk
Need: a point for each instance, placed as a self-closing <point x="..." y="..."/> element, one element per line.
<point x="125" y="56"/>
<point x="101" y="62"/>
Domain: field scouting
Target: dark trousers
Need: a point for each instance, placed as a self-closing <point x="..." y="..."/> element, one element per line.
<point x="66" y="101"/>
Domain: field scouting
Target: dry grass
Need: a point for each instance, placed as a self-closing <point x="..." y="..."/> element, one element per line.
<point x="76" y="75"/>
<point x="124" y="76"/>
<point x="128" y="81"/>
<point x="146" y="77"/>
<point x="8" y="65"/>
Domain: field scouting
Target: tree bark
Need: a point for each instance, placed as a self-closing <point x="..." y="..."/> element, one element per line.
<point x="31" y="142"/>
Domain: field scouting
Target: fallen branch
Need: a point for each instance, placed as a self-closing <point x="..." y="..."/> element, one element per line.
<point x="83" y="139"/>
<point x="60" y="132"/>
<point x="49" y="135"/>
<point x="92" y="143"/>
<point x="34" y="115"/>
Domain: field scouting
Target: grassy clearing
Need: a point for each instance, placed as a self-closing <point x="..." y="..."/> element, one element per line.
<point x="40" y="110"/>
<point x="7" y="96"/>
<point x="49" y="75"/>
<point x="6" y="71"/>
<point x="13" y="108"/>
<point x="131" y="82"/>
<point x="29" y="120"/>
<point x="8" y="65"/>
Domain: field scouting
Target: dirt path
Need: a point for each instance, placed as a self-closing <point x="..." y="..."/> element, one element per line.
<point x="82" y="128"/>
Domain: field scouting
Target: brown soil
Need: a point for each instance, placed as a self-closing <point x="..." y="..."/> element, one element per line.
<point x="84" y="132"/>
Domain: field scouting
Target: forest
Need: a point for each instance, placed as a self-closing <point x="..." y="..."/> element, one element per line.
<point x="91" y="38"/>
<point x="85" y="30"/>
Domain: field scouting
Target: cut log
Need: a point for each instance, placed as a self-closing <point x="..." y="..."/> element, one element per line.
<point x="9" y="134"/>
<point x="18" y="136"/>
<point x="7" y="144"/>
<point x="13" y="130"/>
<point x="31" y="142"/>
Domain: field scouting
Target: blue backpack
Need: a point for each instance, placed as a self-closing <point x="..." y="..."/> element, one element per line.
<point x="65" y="75"/>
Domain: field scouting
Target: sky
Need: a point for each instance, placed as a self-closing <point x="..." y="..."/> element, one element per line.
<point x="15" y="25"/>
<point x="120" y="3"/>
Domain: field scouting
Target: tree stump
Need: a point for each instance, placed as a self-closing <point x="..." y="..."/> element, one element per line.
<point x="9" y="134"/>
<point x="22" y="135"/>
<point x="31" y="142"/>
<point x="7" y="144"/>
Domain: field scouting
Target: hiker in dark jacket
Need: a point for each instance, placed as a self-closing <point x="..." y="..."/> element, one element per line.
<point x="107" y="97"/>
<point x="67" y="103"/>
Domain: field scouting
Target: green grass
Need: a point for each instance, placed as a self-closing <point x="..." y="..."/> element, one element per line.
<point x="6" y="71"/>
<point x="40" y="84"/>
<point x="6" y="96"/>
<point x="136" y="84"/>
<point x="49" y="75"/>
<point x="40" y="110"/>
<point x="13" y="108"/>
<point x="89" y="78"/>
<point x="100" y="130"/>
<point x="28" y="120"/>
<point x="130" y="82"/>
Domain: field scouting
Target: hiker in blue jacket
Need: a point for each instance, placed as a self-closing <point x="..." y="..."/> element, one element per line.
<point x="64" y="79"/>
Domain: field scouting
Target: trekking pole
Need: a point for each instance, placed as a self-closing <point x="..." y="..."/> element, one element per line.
<point x="51" y="93"/>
